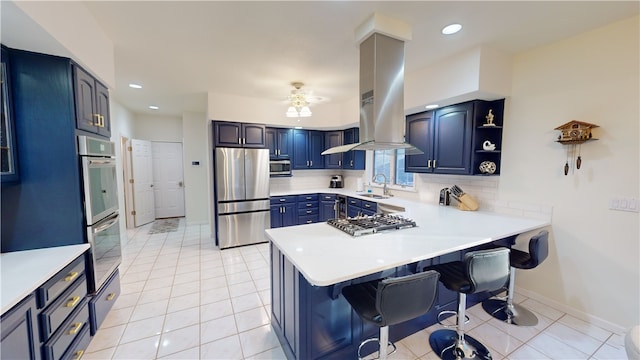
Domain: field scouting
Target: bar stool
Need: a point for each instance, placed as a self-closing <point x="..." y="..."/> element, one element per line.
<point x="507" y="311"/>
<point x="392" y="301"/>
<point x="482" y="270"/>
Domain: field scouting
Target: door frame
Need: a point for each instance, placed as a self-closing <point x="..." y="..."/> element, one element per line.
<point x="125" y="143"/>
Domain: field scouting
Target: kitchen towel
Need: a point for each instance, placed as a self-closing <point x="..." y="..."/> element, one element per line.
<point x="359" y="185"/>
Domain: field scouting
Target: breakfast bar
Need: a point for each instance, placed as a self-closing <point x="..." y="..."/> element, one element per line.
<point x="312" y="263"/>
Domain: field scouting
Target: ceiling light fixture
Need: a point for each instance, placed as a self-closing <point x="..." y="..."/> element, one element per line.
<point x="451" y="29"/>
<point x="432" y="106"/>
<point x="298" y="104"/>
<point x="153" y="107"/>
<point x="135" y="86"/>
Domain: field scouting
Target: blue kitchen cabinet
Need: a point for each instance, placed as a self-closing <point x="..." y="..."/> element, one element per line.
<point x="453" y="129"/>
<point x="452" y="137"/>
<point x="49" y="188"/>
<point x="92" y="103"/>
<point x="445" y="138"/>
<point x="418" y="128"/>
<point x="308" y="211"/>
<point x="327" y="207"/>
<point x="302" y="311"/>
<point x="239" y="135"/>
<point x="308" y="146"/>
<point x="357" y="207"/>
<point x="283" y="211"/>
<point x="19" y="329"/>
<point x="353" y="159"/>
<point x="333" y="139"/>
<point x="279" y="142"/>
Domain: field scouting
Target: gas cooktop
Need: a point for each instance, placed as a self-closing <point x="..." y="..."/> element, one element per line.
<point x="364" y="225"/>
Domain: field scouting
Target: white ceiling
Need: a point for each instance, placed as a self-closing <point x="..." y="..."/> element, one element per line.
<point x="179" y="51"/>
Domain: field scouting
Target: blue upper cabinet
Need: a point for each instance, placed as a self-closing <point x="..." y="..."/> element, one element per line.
<point x="445" y="138"/>
<point x="9" y="164"/>
<point x="332" y="139"/>
<point x="452" y="139"/>
<point x="354" y="159"/>
<point x="240" y="135"/>
<point x="419" y="134"/>
<point x="279" y="142"/>
<point x="92" y="103"/>
<point x="307" y="148"/>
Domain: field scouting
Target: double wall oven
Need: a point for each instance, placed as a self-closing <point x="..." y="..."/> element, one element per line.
<point x="101" y="207"/>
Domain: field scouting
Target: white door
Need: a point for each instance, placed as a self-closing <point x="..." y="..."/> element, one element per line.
<point x="168" y="179"/>
<point x="143" y="198"/>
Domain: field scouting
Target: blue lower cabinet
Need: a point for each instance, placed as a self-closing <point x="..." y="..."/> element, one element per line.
<point x="71" y="329"/>
<point x="316" y="322"/>
<point x="79" y="345"/>
<point x="283" y="211"/>
<point x="327" y="210"/>
<point x="19" y="331"/>
<point x="55" y="314"/>
<point x="102" y="302"/>
<point x="308" y="209"/>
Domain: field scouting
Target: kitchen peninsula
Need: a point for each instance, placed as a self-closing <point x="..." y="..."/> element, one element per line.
<point x="312" y="263"/>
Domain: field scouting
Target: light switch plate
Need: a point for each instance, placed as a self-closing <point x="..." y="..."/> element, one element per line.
<point x="622" y="203"/>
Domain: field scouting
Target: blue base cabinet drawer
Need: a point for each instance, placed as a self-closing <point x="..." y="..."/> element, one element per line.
<point x="102" y="302"/>
<point x="56" y="347"/>
<point x="275" y="200"/>
<point x="79" y="345"/>
<point x="308" y="219"/>
<point x="54" y="315"/>
<point x="60" y="282"/>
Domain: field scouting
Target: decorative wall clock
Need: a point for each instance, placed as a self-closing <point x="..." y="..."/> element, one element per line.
<point x="574" y="133"/>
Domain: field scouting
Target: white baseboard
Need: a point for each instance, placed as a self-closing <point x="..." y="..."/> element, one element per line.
<point x="591" y="319"/>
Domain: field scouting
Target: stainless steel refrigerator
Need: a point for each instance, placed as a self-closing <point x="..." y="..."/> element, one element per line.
<point x="242" y="196"/>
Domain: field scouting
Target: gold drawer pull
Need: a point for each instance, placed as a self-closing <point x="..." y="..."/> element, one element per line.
<point x="73" y="302"/>
<point x="111" y="296"/>
<point x="71" y="276"/>
<point x="79" y="354"/>
<point x="98" y="117"/>
<point x="75" y="328"/>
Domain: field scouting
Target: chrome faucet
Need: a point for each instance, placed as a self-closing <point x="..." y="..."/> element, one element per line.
<point x="385" y="189"/>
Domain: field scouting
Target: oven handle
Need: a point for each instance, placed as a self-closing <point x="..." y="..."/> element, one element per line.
<point x="107" y="223"/>
<point x="101" y="162"/>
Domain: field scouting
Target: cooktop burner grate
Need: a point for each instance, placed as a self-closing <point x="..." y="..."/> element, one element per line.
<point x="364" y="225"/>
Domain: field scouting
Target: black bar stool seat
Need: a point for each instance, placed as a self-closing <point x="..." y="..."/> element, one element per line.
<point x="506" y="310"/>
<point x="392" y="301"/>
<point x="482" y="270"/>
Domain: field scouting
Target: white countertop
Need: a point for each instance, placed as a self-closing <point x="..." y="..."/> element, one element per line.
<point x="22" y="272"/>
<point x="326" y="256"/>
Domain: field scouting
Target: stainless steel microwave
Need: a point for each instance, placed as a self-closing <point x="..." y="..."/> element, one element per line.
<point x="280" y="168"/>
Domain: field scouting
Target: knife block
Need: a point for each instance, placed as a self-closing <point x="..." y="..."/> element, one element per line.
<point x="467" y="203"/>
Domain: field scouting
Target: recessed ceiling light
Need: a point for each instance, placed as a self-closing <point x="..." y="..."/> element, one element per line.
<point x="432" y="106"/>
<point x="298" y="127"/>
<point x="135" y="86"/>
<point x="153" y="107"/>
<point x="451" y="29"/>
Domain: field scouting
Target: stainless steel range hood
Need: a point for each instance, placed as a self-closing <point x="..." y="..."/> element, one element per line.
<point x="381" y="97"/>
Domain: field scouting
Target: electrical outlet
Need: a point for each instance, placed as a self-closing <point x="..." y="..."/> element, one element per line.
<point x="622" y="203"/>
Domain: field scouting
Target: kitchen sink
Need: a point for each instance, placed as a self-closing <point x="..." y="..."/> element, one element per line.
<point x="374" y="196"/>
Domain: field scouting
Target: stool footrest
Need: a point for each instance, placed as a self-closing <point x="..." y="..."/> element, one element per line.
<point x="450" y="312"/>
<point x="377" y="340"/>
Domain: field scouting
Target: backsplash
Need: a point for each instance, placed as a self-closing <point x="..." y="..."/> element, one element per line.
<point x="482" y="188"/>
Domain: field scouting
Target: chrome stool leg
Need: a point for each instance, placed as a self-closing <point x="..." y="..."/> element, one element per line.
<point x="507" y="311"/>
<point x="382" y="350"/>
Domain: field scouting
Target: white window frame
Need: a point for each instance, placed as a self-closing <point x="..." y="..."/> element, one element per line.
<point x="390" y="182"/>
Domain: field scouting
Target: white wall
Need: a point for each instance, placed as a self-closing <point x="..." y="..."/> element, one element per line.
<point x="121" y="126"/>
<point x="594" y="253"/>
<point x="158" y="128"/>
<point x="75" y="28"/>
<point x="197" y="194"/>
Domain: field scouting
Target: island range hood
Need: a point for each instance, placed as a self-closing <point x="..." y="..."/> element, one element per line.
<point x="381" y="97"/>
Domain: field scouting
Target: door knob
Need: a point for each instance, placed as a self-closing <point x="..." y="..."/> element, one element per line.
<point x="180" y="184"/>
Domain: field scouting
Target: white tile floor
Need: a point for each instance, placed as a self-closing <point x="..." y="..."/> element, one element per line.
<point x="184" y="299"/>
